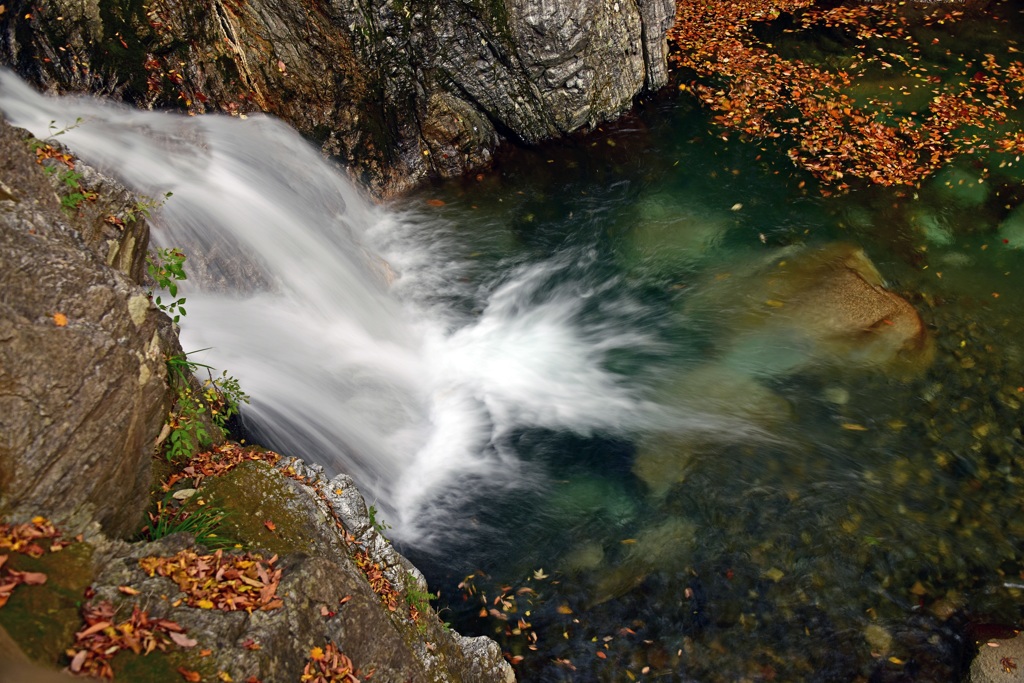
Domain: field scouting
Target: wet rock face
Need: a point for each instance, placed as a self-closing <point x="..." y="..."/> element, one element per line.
<point x="82" y="390"/>
<point x="398" y="91"/>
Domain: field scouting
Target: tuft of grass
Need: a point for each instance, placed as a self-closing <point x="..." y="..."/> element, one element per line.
<point x="204" y="522"/>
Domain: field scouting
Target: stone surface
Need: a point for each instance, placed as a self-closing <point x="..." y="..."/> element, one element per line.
<point x="988" y="666"/>
<point x="398" y="91"/>
<point x="315" y="544"/>
<point x="82" y="390"/>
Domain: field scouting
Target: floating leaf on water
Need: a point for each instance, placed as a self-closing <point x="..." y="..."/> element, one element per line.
<point x="853" y="427"/>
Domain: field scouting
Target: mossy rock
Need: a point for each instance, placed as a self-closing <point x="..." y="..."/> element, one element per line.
<point x="264" y="509"/>
<point x="159" y="667"/>
<point x="43" y="619"/>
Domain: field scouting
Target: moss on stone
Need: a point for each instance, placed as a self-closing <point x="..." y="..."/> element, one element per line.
<point x="253" y="494"/>
<point x="159" y="667"/>
<point x="43" y="619"/>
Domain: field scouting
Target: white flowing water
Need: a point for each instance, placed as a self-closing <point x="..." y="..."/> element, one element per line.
<point x="289" y="292"/>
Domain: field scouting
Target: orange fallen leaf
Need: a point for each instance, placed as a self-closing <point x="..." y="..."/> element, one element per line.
<point x="316" y="654"/>
<point x="60" y="319"/>
<point x="435" y="202"/>
<point x="270" y="525"/>
<point x="190" y="676"/>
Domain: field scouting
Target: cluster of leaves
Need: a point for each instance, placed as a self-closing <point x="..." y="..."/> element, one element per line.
<point x="74" y="194"/>
<point x="103" y="637"/>
<point x="378" y="582"/>
<point x="202" y="521"/>
<point x="221" y="581"/>
<point x="26" y="539"/>
<point x="763" y="95"/>
<point x="218" y="461"/>
<point x="511" y="609"/>
<point x="167" y="268"/>
<point x="329" y="665"/>
<point x="12" y="578"/>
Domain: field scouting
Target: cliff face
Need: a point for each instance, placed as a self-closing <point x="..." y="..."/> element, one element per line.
<point x="82" y="379"/>
<point x="398" y="91"/>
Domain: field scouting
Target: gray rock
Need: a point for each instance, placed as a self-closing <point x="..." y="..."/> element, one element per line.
<point x="414" y="89"/>
<point x="82" y="377"/>
<point x="389" y="643"/>
<point x="988" y="666"/>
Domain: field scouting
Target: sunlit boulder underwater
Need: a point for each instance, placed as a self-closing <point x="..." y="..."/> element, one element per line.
<point x="801" y="309"/>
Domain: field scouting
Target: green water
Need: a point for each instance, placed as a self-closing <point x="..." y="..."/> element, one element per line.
<point x="847" y="518"/>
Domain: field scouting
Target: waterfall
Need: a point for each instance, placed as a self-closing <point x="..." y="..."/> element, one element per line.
<point x="288" y="292"/>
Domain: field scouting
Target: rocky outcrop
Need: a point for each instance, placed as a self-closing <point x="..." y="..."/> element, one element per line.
<point x="398" y="91"/>
<point x="318" y="525"/>
<point x="82" y="378"/>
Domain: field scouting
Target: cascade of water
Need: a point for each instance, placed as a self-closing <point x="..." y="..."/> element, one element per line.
<point x="287" y="293"/>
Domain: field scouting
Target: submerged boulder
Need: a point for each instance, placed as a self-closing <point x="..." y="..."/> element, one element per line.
<point x="813" y="306"/>
<point x="803" y="310"/>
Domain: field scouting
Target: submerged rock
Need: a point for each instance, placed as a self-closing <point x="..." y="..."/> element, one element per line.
<point x="804" y="310"/>
<point x="998" y="661"/>
<point x="811" y="307"/>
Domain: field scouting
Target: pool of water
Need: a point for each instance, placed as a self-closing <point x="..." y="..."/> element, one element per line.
<point x="739" y="497"/>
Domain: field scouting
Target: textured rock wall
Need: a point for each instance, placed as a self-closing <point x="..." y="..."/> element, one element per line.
<point x="398" y="90"/>
<point x="82" y="388"/>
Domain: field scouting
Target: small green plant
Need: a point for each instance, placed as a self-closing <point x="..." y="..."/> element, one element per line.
<point x="220" y="395"/>
<point x="418" y="601"/>
<point x="188" y="431"/>
<point x="144" y="206"/>
<point x="74" y="194"/>
<point x="223" y="394"/>
<point x="203" y="521"/>
<point x="380" y="525"/>
<point x="56" y="132"/>
<point x="167" y="268"/>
